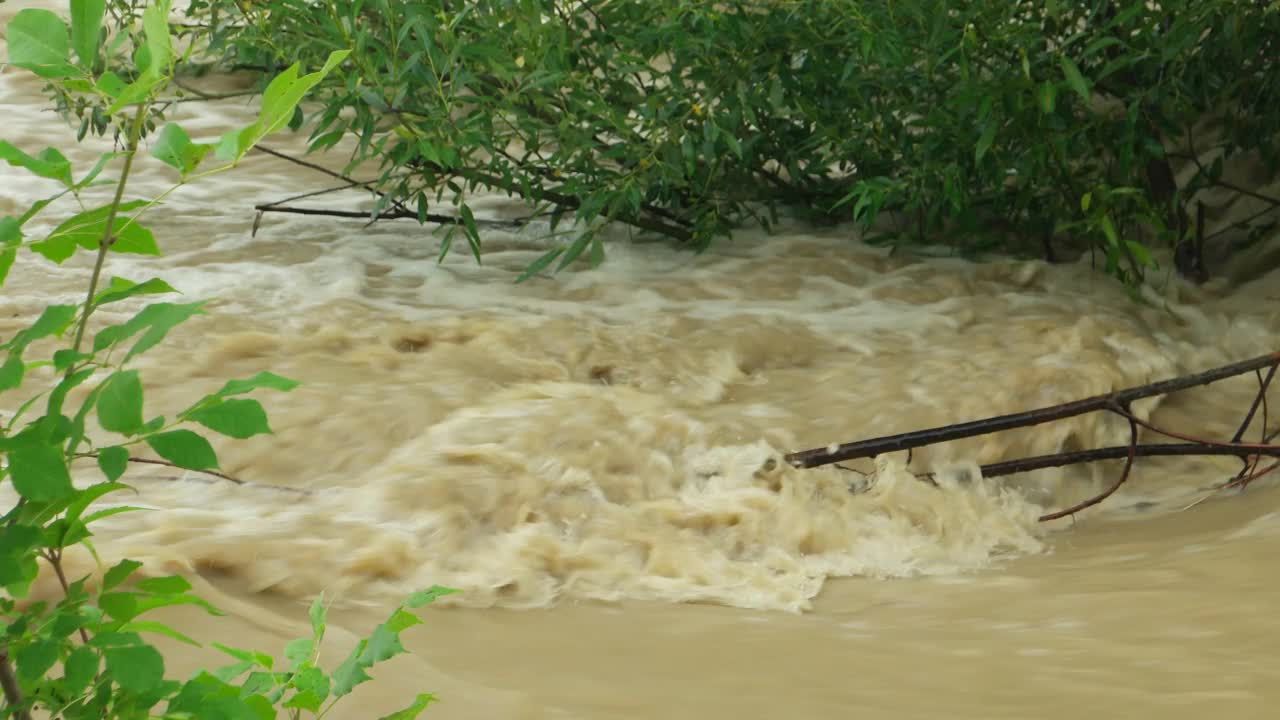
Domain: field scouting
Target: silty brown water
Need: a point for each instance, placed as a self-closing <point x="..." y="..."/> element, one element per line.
<point x="595" y="460"/>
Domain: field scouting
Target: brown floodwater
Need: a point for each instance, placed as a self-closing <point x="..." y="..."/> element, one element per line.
<point x="595" y="461"/>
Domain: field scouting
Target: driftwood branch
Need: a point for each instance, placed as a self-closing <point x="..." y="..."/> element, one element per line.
<point x="920" y="438"/>
<point x="1118" y="402"/>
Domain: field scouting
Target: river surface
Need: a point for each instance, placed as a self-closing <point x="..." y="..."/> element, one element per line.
<point x="595" y="460"/>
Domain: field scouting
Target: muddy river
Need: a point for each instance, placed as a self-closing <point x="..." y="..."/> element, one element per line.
<point x="594" y="459"/>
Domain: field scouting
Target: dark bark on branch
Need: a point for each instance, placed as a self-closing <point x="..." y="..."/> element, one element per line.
<point x="1039" y="462"/>
<point x="12" y="693"/>
<point x="906" y="441"/>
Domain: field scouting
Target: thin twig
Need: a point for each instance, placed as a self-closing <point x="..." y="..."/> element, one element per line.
<point x="1258" y="400"/>
<point x="12" y="692"/>
<point x="1124" y="475"/>
<point x="1040" y="462"/>
<point x="903" y="441"/>
<point x="166" y="463"/>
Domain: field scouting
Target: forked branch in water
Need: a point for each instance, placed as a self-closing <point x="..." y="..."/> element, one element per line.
<point x="1117" y="402"/>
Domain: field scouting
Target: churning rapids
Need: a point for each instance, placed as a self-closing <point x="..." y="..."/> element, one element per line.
<point x="606" y="447"/>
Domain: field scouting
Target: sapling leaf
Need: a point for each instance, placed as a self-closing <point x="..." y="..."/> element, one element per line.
<point x="86" y="26"/>
<point x="174" y="148"/>
<point x="49" y="164"/>
<point x="38" y="41"/>
<point x="237" y="417"/>
<point x="136" y="669"/>
<point x="414" y="709"/>
<point x="120" y="403"/>
<point x="35" y="659"/>
<point x="78" y="670"/>
<point x="39" y="472"/>
<point x="185" y="449"/>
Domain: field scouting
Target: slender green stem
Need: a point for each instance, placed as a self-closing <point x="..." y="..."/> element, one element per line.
<point x="104" y="245"/>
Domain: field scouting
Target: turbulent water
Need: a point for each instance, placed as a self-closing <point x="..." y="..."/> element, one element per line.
<point x="606" y="447"/>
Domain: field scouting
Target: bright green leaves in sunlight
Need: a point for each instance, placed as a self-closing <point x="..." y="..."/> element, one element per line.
<point x="49" y="163"/>
<point x="238" y="418"/>
<point x="39" y="470"/>
<point x="185" y="449"/>
<point x="87" y="229"/>
<point x="120" y="403"/>
<point x="173" y="147"/>
<point x="84" y="655"/>
<point x="120" y="289"/>
<point x="278" y="103"/>
<point x="86" y="26"/>
<point x="39" y="42"/>
<point x="153" y="321"/>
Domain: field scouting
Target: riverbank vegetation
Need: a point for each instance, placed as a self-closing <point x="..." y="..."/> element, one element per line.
<point x="1043" y="129"/>
<point x="1047" y="129"/>
<point x="84" y="653"/>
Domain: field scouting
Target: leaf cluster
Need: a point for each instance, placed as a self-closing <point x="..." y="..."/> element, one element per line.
<point x="983" y="125"/>
<point x="85" y="656"/>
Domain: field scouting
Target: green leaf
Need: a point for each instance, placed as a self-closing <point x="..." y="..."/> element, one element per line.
<point x="317" y="616"/>
<point x="49" y="164"/>
<point x="12" y="371"/>
<point x="167" y="585"/>
<point x="158" y="628"/>
<point x="119" y="573"/>
<point x="1074" y="79"/>
<point x="540" y="264"/>
<point x="7" y="258"/>
<point x="137" y="669"/>
<point x="39" y="472"/>
<point x="473" y="235"/>
<point x="35" y="660"/>
<point x="184" y="449"/>
<point x="574" y="250"/>
<point x="174" y="148"/>
<point x="113" y="461"/>
<point x="249" y="656"/>
<point x="155" y="26"/>
<point x="89" y="228"/>
<point x="38" y="42"/>
<point x="1141" y="254"/>
<point x="119" y="289"/>
<point x="261" y="380"/>
<point x="414" y="709"/>
<point x="121" y="606"/>
<point x="280" y="98"/>
<point x="351" y="672"/>
<point x="1109" y="229"/>
<point x="984" y="142"/>
<point x="423" y="597"/>
<point x="86" y="26"/>
<point x="110" y="84"/>
<point x="299" y="651"/>
<point x="157" y="319"/>
<point x="120" y="403"/>
<point x="1085" y="201"/>
<point x="18" y="543"/>
<point x="1047" y="96"/>
<point x="238" y="418"/>
<point x="135" y="92"/>
<point x="304" y="700"/>
<point x="78" y="670"/>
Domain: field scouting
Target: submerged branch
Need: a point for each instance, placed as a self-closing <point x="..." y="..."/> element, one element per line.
<point x="1040" y="462"/>
<point x="1116" y="402"/>
<point x="166" y="463"/>
<point x="905" y="441"/>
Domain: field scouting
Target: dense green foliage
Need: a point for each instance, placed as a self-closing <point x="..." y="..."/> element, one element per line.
<point x="987" y="125"/>
<point x="84" y="655"/>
